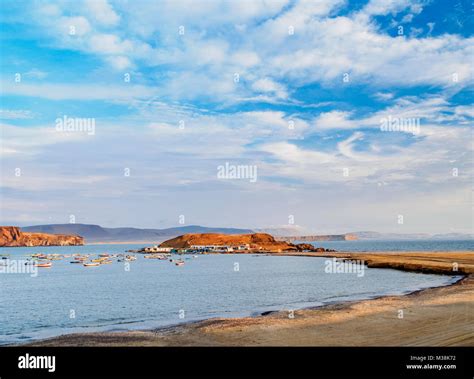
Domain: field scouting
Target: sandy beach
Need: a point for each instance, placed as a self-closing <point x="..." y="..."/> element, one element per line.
<point x="442" y="316"/>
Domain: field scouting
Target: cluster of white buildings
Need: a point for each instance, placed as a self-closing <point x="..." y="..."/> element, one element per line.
<point x="198" y="249"/>
<point x="220" y="248"/>
<point x="157" y="249"/>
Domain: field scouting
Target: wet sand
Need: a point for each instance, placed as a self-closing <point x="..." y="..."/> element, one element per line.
<point x="442" y="316"/>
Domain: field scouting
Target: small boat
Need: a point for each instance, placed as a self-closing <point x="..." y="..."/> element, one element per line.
<point x="106" y="262"/>
<point x="105" y="255"/>
<point x="154" y="256"/>
<point x="179" y="263"/>
<point x="45" y="265"/>
<point x="75" y="262"/>
<point x="91" y="264"/>
<point x="97" y="260"/>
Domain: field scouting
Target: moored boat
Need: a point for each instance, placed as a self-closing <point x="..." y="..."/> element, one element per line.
<point x="91" y="264"/>
<point x="98" y="260"/>
<point x="45" y="265"/>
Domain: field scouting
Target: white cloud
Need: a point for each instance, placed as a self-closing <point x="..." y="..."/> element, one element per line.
<point x="77" y="26"/>
<point x="335" y="120"/>
<point x="15" y="114"/>
<point x="109" y="44"/>
<point x="24" y="142"/>
<point x="384" y="7"/>
<point x="222" y="38"/>
<point x="102" y="12"/>
<point x="268" y="85"/>
<point x="119" y="62"/>
<point x="78" y="91"/>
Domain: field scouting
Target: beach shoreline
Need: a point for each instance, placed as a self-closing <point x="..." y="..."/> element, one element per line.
<point x="423" y="313"/>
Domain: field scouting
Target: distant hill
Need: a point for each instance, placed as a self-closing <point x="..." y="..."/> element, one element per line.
<point x="369" y="235"/>
<point x="314" y="238"/>
<point x="96" y="233"/>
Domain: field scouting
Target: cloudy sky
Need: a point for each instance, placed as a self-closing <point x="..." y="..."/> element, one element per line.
<point x="297" y="89"/>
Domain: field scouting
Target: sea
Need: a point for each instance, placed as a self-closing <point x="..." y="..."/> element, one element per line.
<point x="149" y="293"/>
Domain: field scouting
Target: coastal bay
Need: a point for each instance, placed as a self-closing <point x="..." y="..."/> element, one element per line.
<point x="441" y="316"/>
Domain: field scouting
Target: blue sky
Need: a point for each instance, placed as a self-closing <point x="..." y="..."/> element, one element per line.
<point x="315" y="81"/>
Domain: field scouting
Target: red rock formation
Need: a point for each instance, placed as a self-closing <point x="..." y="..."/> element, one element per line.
<point x="13" y="236"/>
<point x="305" y="247"/>
<point x="255" y="241"/>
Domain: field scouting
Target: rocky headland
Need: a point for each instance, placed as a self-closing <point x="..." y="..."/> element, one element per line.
<point x="12" y="236"/>
<point x="256" y="242"/>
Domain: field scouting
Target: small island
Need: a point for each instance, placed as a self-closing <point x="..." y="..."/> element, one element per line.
<point x="205" y="243"/>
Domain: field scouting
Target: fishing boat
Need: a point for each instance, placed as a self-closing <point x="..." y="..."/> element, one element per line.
<point x="154" y="256"/>
<point x="45" y="265"/>
<point x="40" y="256"/>
<point x="91" y="264"/>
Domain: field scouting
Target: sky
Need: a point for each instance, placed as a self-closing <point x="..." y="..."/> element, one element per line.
<point x="311" y="116"/>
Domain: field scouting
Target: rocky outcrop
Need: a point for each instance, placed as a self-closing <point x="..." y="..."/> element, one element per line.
<point x="12" y="236"/>
<point x="309" y="247"/>
<point x="256" y="241"/>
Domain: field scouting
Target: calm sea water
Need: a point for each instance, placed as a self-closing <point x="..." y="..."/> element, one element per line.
<point x="402" y="245"/>
<point x="71" y="298"/>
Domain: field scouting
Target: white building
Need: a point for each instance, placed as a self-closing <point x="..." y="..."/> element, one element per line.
<point x="162" y="249"/>
<point x="221" y="248"/>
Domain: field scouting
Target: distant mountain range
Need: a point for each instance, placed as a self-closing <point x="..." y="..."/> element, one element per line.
<point x="96" y="233"/>
<point x="411" y="236"/>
